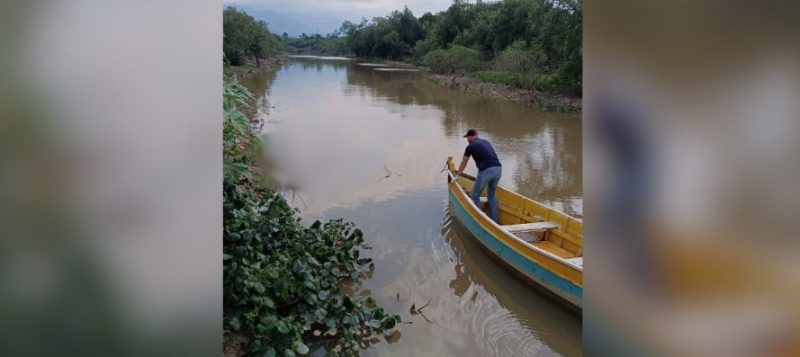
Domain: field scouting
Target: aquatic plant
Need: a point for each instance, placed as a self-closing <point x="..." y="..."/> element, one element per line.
<point x="282" y="279"/>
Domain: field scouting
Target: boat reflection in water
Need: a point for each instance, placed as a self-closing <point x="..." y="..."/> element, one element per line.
<point x="477" y="275"/>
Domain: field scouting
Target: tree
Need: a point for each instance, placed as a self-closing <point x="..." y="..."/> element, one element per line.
<point x="455" y="58"/>
<point x="537" y="43"/>
<point x="245" y="37"/>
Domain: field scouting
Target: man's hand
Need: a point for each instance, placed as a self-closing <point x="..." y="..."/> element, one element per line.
<point x="462" y="166"/>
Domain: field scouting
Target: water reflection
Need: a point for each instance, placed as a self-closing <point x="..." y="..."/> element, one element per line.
<point x="368" y="146"/>
<point x="533" y="309"/>
<point x="546" y="146"/>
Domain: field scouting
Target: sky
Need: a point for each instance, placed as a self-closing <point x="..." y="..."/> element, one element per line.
<point x="325" y="16"/>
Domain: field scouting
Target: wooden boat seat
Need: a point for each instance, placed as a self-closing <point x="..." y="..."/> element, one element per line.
<point x="578" y="262"/>
<point x="530" y="227"/>
<point x="554" y="248"/>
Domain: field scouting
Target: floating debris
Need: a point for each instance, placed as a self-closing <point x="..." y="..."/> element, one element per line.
<point x="424" y="306"/>
<point x="415" y="311"/>
<point x="389" y="173"/>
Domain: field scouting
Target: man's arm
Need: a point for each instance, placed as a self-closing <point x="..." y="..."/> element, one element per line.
<point x="462" y="166"/>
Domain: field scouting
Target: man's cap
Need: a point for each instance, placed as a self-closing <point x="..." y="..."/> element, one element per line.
<point x="471" y="132"/>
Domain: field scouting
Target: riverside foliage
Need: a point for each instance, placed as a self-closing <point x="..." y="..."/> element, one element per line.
<point x="282" y="279"/>
<point x="537" y="42"/>
<point x="244" y="38"/>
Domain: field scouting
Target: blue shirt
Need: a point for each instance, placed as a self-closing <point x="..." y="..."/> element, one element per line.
<point x="483" y="154"/>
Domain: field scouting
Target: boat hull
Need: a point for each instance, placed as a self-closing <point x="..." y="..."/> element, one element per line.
<point x="553" y="278"/>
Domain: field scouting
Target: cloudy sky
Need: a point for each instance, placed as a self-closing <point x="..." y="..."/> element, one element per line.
<point x="324" y="16"/>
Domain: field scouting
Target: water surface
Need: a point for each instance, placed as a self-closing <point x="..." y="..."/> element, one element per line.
<point x="368" y="145"/>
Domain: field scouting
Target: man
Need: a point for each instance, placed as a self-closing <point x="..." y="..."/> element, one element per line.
<point x="489" y="169"/>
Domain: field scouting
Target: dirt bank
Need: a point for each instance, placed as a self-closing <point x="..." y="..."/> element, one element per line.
<point x="234" y="345"/>
<point x="540" y="100"/>
<point x="271" y="63"/>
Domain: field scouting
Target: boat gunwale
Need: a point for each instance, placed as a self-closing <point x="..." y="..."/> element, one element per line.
<point x="486" y="218"/>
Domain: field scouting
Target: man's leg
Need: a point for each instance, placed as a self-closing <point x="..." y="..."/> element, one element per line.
<point x="480" y="183"/>
<point x="492" y="181"/>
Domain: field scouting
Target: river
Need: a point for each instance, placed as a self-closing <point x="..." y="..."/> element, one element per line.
<point x="368" y="144"/>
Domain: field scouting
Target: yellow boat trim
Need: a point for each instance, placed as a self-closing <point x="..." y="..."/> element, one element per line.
<point x="541" y="257"/>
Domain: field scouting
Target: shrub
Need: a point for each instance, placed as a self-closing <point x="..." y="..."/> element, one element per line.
<point x="550" y="83"/>
<point x="422" y="48"/>
<point x="543" y="82"/>
<point x="452" y="59"/>
<point x="520" y="58"/>
<point x="536" y="81"/>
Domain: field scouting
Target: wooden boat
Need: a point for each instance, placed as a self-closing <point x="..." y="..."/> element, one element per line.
<point x="540" y="244"/>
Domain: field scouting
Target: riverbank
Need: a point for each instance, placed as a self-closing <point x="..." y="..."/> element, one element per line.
<point x="544" y="101"/>
<point x="540" y="100"/>
<point x="266" y="64"/>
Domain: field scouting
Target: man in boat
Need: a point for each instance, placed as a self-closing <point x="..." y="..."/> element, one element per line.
<point x="489" y="169"/>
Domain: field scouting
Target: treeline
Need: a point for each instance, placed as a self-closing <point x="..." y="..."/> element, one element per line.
<point x="533" y="44"/>
<point x="525" y="43"/>
<point x="246" y="38"/>
<point x="390" y="37"/>
<point x="332" y="44"/>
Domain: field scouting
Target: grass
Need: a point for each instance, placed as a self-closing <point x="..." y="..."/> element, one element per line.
<point x="547" y="99"/>
<point x="540" y="82"/>
<point x="533" y="81"/>
<point x="503" y="78"/>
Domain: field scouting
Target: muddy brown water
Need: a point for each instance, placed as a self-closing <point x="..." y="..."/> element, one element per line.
<point x="368" y="145"/>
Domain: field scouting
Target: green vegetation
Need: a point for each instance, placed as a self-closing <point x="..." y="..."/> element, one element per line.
<point x="244" y="37"/>
<point x="529" y="44"/>
<point x="541" y="82"/>
<point x="452" y="59"/>
<point x="390" y="37"/>
<point x="282" y="280"/>
<point x="537" y="42"/>
<point x="316" y="44"/>
<point x="496" y="77"/>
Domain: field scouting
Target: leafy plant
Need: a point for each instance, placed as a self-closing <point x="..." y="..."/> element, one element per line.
<point x="519" y="57"/>
<point x="453" y="59"/>
<point x="282" y="280"/>
<point x="246" y="37"/>
<point x="391" y="37"/>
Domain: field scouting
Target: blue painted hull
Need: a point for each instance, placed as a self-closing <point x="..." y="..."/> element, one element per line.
<point x="561" y="287"/>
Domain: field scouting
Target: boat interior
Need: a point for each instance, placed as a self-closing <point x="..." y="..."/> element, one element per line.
<point x="535" y="223"/>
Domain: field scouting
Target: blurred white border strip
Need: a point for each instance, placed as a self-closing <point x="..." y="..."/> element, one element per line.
<point x="127" y="96"/>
